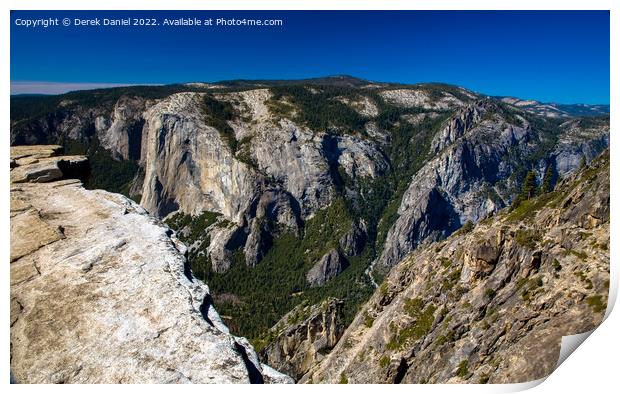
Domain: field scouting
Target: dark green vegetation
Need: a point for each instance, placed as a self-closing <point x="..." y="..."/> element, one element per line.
<point x="526" y="208"/>
<point x="527" y="238"/>
<point x="450" y="280"/>
<point x="31" y="107"/>
<point x="466" y="228"/>
<point x="530" y="287"/>
<point x="533" y="198"/>
<point x="319" y="109"/>
<point x="278" y="283"/>
<point x="423" y="317"/>
<point x="195" y="225"/>
<point x="218" y="114"/>
<point x="462" y="371"/>
<point x="490" y="293"/>
<point x="596" y="303"/>
<point x="529" y="186"/>
<point x="547" y="183"/>
<point x="105" y="172"/>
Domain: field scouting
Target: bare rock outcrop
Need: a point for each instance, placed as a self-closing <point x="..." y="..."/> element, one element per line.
<point x="579" y="141"/>
<point x="490" y="305"/>
<point x="101" y="293"/>
<point x="470" y="174"/>
<point x="121" y="132"/>
<point x="38" y="163"/>
<point x="188" y="167"/>
<point x="275" y="209"/>
<point x="459" y="124"/>
<point x="411" y="98"/>
<point x="330" y="265"/>
<point x="303" y="336"/>
<point x="352" y="243"/>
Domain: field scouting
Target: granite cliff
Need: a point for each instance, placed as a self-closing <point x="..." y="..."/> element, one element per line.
<point x="471" y="173"/>
<point x="303" y="337"/>
<point x="101" y="292"/>
<point x="489" y="304"/>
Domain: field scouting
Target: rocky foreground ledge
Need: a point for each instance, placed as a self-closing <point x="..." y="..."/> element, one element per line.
<point x="101" y="292"/>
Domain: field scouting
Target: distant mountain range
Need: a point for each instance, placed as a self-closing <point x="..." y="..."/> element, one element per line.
<point x="544" y="109"/>
<point x="554" y="110"/>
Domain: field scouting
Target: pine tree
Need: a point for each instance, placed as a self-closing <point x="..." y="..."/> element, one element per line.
<point x="583" y="162"/>
<point x="529" y="187"/>
<point x="546" y="186"/>
<point x="528" y="190"/>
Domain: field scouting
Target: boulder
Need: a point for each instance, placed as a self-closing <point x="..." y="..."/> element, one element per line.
<point x="38" y="164"/>
<point x="330" y="265"/>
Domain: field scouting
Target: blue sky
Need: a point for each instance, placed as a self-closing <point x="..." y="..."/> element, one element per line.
<point x="556" y="56"/>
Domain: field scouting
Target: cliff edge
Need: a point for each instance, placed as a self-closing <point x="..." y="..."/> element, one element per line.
<point x="101" y="292"/>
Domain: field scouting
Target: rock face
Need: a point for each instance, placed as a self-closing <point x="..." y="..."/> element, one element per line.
<point x="121" y="133"/>
<point x="353" y="241"/>
<point x="303" y="336"/>
<point x="101" y="293"/>
<point x="279" y="172"/>
<point x="326" y="268"/>
<point x="37" y="163"/>
<point x="489" y="305"/>
<point x="579" y="140"/>
<point x="459" y="124"/>
<point x="187" y="165"/>
<point x="471" y="173"/>
<point x="412" y="98"/>
<point x="117" y="125"/>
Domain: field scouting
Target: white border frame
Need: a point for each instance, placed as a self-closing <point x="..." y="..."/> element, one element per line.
<point x="592" y="367"/>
